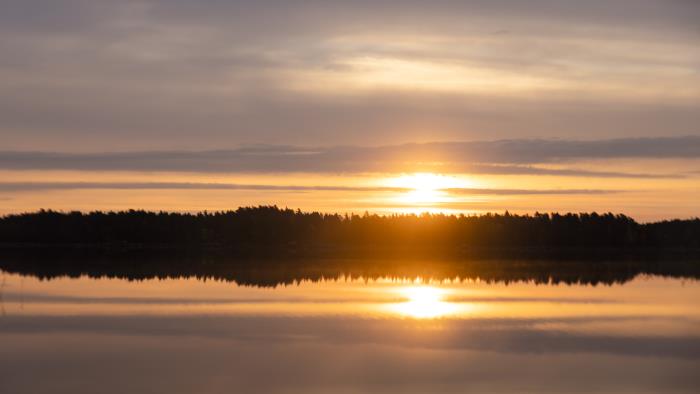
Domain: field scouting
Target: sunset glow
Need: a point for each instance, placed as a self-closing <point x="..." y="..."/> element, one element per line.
<point x="391" y="197"/>
<point x="427" y="190"/>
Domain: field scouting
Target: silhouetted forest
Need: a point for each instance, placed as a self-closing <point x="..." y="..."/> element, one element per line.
<point x="269" y="227"/>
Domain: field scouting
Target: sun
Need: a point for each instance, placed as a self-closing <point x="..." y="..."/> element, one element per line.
<point x="423" y="302"/>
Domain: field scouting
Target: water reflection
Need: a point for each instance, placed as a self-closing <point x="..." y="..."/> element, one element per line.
<point x="424" y="302"/>
<point x="276" y="272"/>
<point x="349" y="327"/>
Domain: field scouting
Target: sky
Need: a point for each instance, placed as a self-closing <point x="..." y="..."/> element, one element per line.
<point x="381" y="106"/>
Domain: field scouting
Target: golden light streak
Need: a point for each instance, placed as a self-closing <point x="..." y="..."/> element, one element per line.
<point x="427" y="189"/>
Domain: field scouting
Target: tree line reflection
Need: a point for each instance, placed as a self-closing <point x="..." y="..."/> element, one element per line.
<point x="276" y="272"/>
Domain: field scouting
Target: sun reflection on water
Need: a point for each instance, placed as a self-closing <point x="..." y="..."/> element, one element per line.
<point x="424" y="302"/>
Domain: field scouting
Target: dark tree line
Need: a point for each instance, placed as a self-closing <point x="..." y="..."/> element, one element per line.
<point x="269" y="226"/>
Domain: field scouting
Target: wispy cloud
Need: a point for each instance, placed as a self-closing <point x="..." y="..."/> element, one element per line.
<point x="528" y="157"/>
<point x="39" y="186"/>
<point x="35" y="186"/>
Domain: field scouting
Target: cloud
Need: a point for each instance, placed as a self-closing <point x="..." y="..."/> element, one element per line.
<point x="35" y="186"/>
<point x="39" y="186"/>
<point x="173" y="74"/>
<point x="528" y="157"/>
<point x="512" y="192"/>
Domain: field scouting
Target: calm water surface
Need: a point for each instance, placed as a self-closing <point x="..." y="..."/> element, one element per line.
<point x="348" y="335"/>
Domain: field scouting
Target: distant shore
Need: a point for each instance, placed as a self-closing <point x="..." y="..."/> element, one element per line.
<point x="271" y="229"/>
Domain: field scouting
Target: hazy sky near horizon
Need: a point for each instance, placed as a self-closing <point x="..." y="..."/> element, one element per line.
<point x="510" y="104"/>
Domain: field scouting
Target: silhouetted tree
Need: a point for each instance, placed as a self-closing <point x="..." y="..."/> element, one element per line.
<point x="272" y="227"/>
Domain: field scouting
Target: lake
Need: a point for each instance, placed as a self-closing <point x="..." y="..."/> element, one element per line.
<point x="395" y="328"/>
